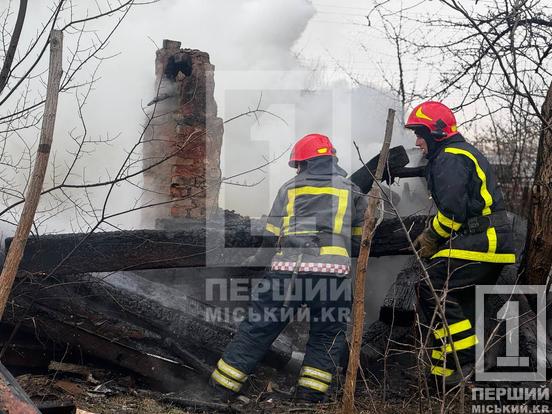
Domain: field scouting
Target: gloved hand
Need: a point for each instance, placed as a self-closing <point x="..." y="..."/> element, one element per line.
<point x="427" y="243"/>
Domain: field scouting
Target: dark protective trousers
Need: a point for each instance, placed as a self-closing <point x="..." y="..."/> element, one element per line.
<point x="454" y="280"/>
<point x="324" y="300"/>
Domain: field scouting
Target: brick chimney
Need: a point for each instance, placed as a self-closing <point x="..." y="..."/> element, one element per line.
<point x="188" y="134"/>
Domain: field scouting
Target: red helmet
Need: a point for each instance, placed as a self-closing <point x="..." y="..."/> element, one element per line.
<point x="435" y="116"/>
<point x="311" y="146"/>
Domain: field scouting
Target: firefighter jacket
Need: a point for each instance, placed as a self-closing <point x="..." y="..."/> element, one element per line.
<point x="471" y="218"/>
<point x="317" y="214"/>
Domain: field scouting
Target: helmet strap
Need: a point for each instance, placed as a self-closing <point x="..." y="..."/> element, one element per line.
<point x="431" y="145"/>
<point x="439" y="137"/>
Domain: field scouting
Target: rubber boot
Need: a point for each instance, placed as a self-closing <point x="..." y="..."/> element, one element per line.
<point x="457" y="377"/>
<point x="304" y="395"/>
<point x="221" y="394"/>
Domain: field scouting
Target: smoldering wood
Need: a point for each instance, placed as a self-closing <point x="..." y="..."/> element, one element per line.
<point x="67" y="254"/>
<point x="70" y="331"/>
<point x="399" y="305"/>
<point x="23" y="351"/>
<point x="196" y="363"/>
<point x="396" y="324"/>
<point x="377" y="337"/>
<point x="126" y="320"/>
<point x="83" y="371"/>
<point x="410" y="172"/>
<point x="364" y="176"/>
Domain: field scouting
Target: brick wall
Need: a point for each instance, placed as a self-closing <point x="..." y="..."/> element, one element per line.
<point x="187" y="132"/>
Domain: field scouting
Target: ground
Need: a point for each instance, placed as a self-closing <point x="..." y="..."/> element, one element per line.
<point x="120" y="395"/>
<point x="97" y="399"/>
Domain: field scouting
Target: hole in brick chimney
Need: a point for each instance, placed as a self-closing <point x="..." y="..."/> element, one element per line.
<point x="178" y="63"/>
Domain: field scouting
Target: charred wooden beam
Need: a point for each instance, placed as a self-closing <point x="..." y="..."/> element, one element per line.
<point x="12" y="397"/>
<point x="159" y="368"/>
<point x="399" y="305"/>
<point x="396" y="167"/>
<point x="131" y="322"/>
<point x="22" y="351"/>
<point x="396" y="318"/>
<point x="66" y="254"/>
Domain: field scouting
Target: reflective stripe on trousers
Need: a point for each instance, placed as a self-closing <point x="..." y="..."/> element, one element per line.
<point x="315" y="379"/>
<point x="447" y="348"/>
<point x="228" y="376"/>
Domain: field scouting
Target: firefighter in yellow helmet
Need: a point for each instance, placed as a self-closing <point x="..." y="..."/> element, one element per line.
<point x="466" y="243"/>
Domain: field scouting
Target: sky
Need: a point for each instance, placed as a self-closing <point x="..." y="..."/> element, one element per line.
<point x="351" y="40"/>
<point x="294" y="55"/>
<point x="339" y="37"/>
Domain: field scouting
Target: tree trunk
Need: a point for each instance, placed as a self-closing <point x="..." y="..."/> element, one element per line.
<point x="538" y="260"/>
<point x="15" y="253"/>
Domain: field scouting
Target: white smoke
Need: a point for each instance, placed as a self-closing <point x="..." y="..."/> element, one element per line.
<point x="252" y="44"/>
<point x="346" y="115"/>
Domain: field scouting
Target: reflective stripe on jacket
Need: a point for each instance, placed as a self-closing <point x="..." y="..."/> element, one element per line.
<point x="463" y="185"/>
<point x="318" y="213"/>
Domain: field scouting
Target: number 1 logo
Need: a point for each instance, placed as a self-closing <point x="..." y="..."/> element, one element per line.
<point x="509" y="316"/>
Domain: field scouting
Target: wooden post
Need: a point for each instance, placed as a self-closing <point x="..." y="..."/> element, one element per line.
<point x="369" y="227"/>
<point x="32" y="198"/>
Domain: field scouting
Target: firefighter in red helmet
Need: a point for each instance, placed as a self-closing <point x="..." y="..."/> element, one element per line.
<point x="317" y="216"/>
<point x="309" y="147"/>
<point x="468" y="240"/>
